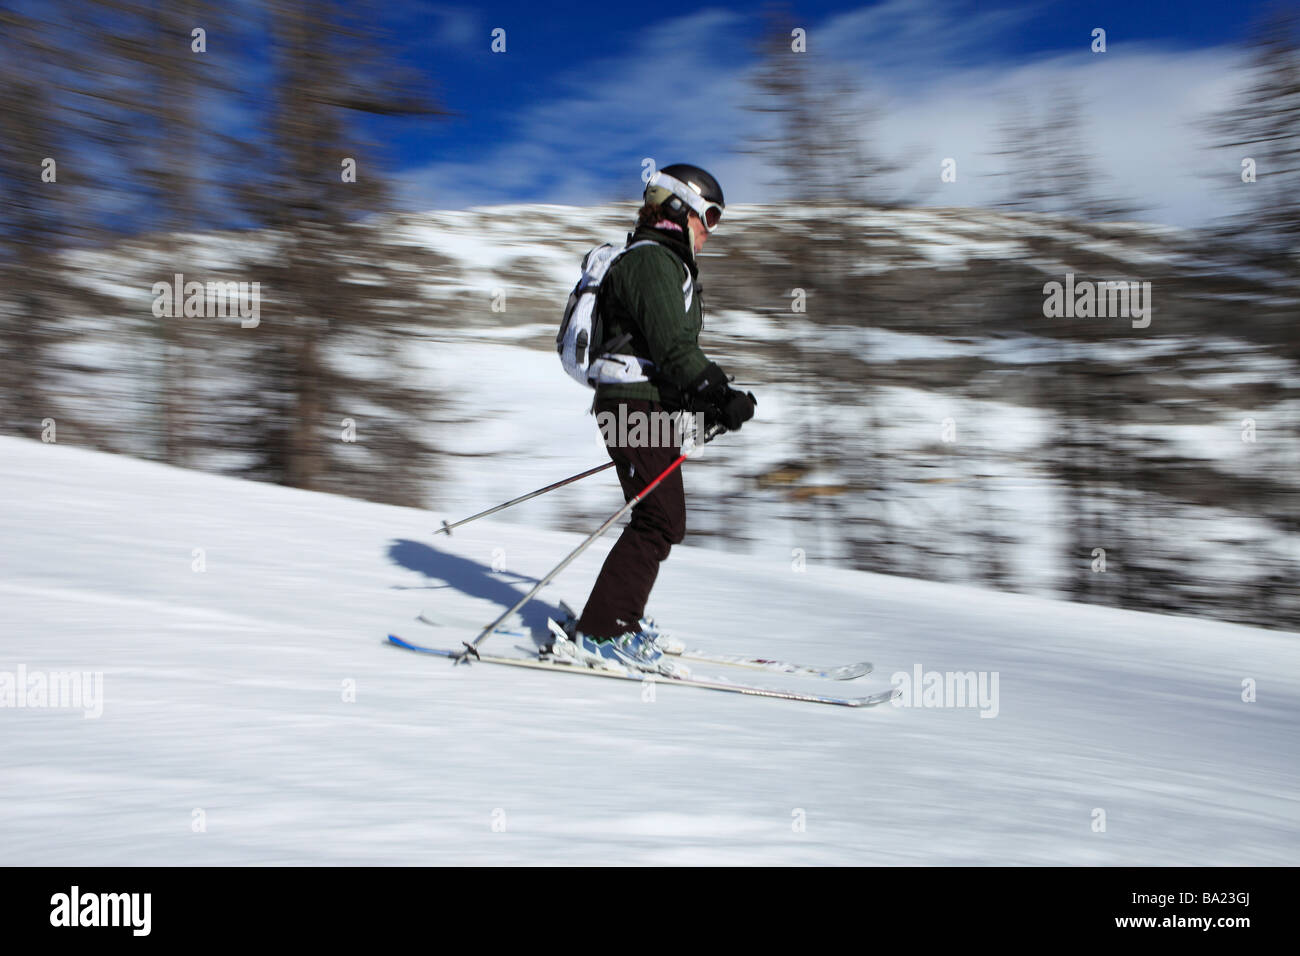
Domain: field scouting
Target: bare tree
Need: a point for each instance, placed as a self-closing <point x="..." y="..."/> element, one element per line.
<point x="329" y="66"/>
<point x="1264" y="124"/>
<point x="1045" y="167"/>
<point x="39" y="190"/>
<point x="163" y="76"/>
<point x="815" y="122"/>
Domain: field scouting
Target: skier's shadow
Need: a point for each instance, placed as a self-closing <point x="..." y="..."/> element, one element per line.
<point x="475" y="580"/>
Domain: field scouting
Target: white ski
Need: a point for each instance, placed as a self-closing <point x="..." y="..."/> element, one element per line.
<point x="718" y="685"/>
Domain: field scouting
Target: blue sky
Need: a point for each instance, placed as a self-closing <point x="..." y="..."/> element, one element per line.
<point x="585" y="91"/>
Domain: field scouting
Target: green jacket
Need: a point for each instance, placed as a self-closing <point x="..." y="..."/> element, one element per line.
<point x="643" y="295"/>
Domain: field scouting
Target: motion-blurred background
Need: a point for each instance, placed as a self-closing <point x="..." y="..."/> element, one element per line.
<point x="412" y="186"/>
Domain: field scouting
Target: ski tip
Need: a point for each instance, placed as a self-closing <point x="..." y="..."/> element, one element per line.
<point x="872" y="700"/>
<point x="884" y="697"/>
<point x="850" y="671"/>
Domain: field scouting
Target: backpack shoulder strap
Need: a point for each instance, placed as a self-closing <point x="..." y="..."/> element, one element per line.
<point x="630" y="246"/>
<point x="615" y="344"/>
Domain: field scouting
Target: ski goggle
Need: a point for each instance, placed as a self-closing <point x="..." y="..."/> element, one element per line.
<point x="710" y="213"/>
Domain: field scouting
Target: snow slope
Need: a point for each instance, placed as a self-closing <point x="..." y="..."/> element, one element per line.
<point x="224" y="693"/>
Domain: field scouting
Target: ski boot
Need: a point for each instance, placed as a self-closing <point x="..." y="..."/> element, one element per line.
<point x="629" y="652"/>
<point x="662" y="641"/>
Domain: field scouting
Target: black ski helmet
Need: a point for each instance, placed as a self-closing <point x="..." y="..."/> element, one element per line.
<point x="682" y="188"/>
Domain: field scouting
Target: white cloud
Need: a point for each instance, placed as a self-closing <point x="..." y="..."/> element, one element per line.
<point x="905" y="38"/>
<point x="673" y="99"/>
<point x="458" y="27"/>
<point x="934" y="70"/>
<point x="1141" y="110"/>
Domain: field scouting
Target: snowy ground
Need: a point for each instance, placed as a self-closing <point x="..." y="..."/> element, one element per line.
<point x="226" y="736"/>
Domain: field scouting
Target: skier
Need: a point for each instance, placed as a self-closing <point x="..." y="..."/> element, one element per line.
<point x="650" y="308"/>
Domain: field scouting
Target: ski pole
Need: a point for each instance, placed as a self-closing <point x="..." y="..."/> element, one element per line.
<point x="514" y="501"/>
<point x="471" y="647"/>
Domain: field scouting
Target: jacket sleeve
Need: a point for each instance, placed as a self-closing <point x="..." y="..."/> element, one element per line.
<point x="651" y="290"/>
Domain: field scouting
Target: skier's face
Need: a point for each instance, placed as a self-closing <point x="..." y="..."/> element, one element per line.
<point x="699" y="235"/>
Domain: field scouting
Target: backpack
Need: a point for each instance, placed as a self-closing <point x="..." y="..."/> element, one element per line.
<point x="586" y="356"/>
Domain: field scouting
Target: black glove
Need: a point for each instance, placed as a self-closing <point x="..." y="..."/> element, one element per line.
<point x="709" y="387"/>
<point x="720" y="403"/>
<point x="735" y="411"/>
